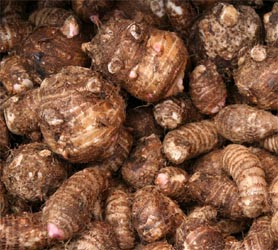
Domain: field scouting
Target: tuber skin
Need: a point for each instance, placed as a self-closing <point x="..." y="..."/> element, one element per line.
<point x="32" y="172"/>
<point x="17" y="75"/>
<point x="144" y="162"/>
<point x="172" y="182"/>
<point x="222" y="193"/>
<point x="46" y="52"/>
<point x="246" y="170"/>
<point x="118" y="215"/>
<point x="3" y="200"/>
<point x="22" y="232"/>
<point x="147" y="62"/>
<point x="141" y="122"/>
<point x="271" y="25"/>
<point x="21" y="114"/>
<point x="69" y="209"/>
<point x="98" y="236"/>
<point x="207" y="88"/>
<point x="259" y="236"/>
<point x="256" y="78"/>
<point x="271" y="143"/>
<point x="12" y="32"/>
<point x="159" y="245"/>
<point x="80" y="114"/>
<point x="221" y="32"/>
<point x="4" y="137"/>
<point x="269" y="163"/>
<point x="190" y="140"/>
<point x="174" y="111"/>
<point x="242" y="123"/>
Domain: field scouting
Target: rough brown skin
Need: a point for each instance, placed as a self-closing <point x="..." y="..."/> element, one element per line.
<point x="16" y="74"/>
<point x="247" y="172"/>
<point x="12" y="34"/>
<point x="119" y="151"/>
<point x="21" y="114"/>
<point x="68" y="210"/>
<point x="144" y="162"/>
<point x="256" y="76"/>
<point x="203" y="213"/>
<point x="210" y="163"/>
<point x="46" y="52"/>
<point x="207" y="88"/>
<point x="271" y="143"/>
<point x="222" y="31"/>
<point x="172" y="182"/>
<point x="181" y="15"/>
<point x="259" y="236"/>
<point x="270" y="25"/>
<point x="141" y="123"/>
<point x="3" y="199"/>
<point x="147" y="62"/>
<point x="80" y="114"/>
<point x="242" y="123"/>
<point x="150" y="214"/>
<point x="269" y="163"/>
<point x="273" y="193"/>
<point x="175" y="111"/>
<point x="18" y="206"/>
<point x="52" y="3"/>
<point x="32" y="172"/>
<point x="231" y="227"/>
<point x="23" y="232"/>
<point x="98" y="236"/>
<point x="190" y="140"/>
<point x="196" y="234"/>
<point x="118" y="215"/>
<point x="159" y="245"/>
<point x="88" y="10"/>
<point x="223" y="193"/>
<point x="4" y="137"/>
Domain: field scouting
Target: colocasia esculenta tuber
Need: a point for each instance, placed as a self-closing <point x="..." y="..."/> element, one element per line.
<point x="271" y="143"/>
<point x="147" y="62"/>
<point x="46" y="52"/>
<point x="246" y="170"/>
<point x="242" y="123"/>
<point x="226" y="200"/>
<point x="271" y="25"/>
<point x="17" y="75"/>
<point x="159" y="245"/>
<point x="32" y="172"/>
<point x="21" y="114"/>
<point x="80" y="114"/>
<point x="175" y="111"/>
<point x="25" y="231"/>
<point x="256" y="76"/>
<point x="4" y="206"/>
<point x="221" y="32"/>
<point x="144" y="162"/>
<point x="207" y="88"/>
<point x="190" y="140"/>
<point x="172" y="182"/>
<point x="118" y="215"/>
<point x="69" y="209"/>
<point x="4" y="136"/>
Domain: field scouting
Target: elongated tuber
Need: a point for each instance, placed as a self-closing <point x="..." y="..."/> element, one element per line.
<point x="190" y="140"/>
<point x="246" y="170"/>
<point x="68" y="210"/>
<point x="242" y="123"/>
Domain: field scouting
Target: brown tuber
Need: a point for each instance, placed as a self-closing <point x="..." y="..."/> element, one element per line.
<point x="271" y="25"/>
<point x="207" y="88"/>
<point x="4" y="137"/>
<point x="147" y="62"/>
<point x="256" y="76"/>
<point x="32" y="172"/>
<point x="69" y="209"/>
<point x="271" y="143"/>
<point x="80" y="114"/>
<point x="144" y="162"/>
<point x="159" y="245"/>
<point x="190" y="140"/>
<point x="246" y="170"/>
<point x="242" y="123"/>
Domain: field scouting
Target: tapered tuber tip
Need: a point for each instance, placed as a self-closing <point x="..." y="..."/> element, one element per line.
<point x="54" y="232"/>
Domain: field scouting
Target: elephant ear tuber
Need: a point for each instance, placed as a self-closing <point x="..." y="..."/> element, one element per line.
<point x="147" y="62"/>
<point x="69" y="209"/>
<point x="271" y="143"/>
<point x="80" y="114"/>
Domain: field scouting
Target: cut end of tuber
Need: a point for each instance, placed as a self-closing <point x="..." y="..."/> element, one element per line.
<point x="54" y="232"/>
